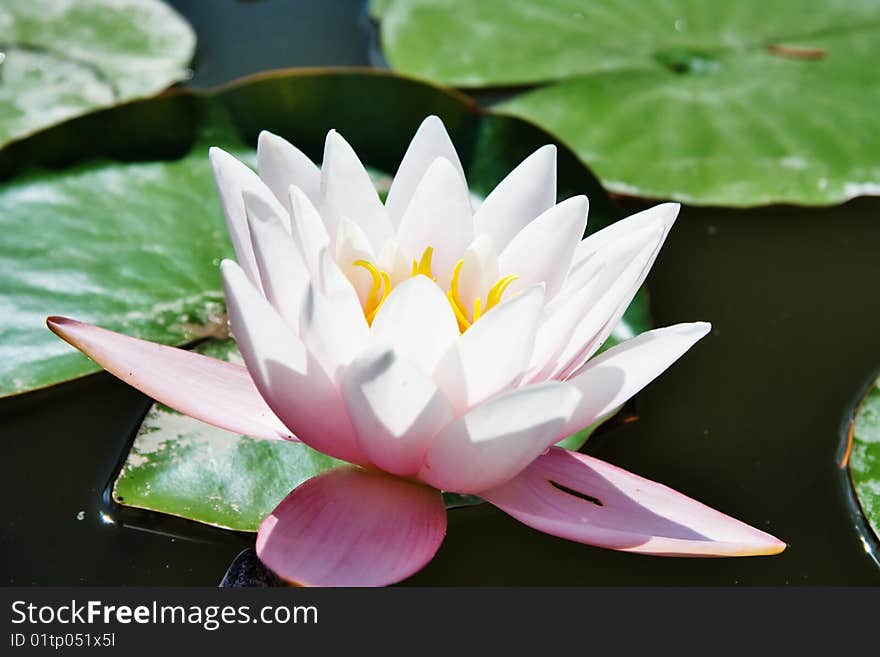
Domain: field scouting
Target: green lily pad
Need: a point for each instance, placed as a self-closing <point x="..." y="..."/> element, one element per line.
<point x="714" y="103"/>
<point x="864" y="456"/>
<point x="64" y="58"/>
<point x="133" y="247"/>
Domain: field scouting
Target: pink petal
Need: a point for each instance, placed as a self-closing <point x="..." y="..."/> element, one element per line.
<point x="207" y="389"/>
<point x="625" y="512"/>
<point x="351" y="527"/>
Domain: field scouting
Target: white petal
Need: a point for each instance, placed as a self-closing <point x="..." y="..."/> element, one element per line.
<point x="618" y="292"/>
<point x="348" y="191"/>
<point x="525" y="193"/>
<point x="282" y="271"/>
<point x="392" y="260"/>
<point x="430" y="142"/>
<point x="341" y="293"/>
<point x="417" y="322"/>
<point x="281" y="164"/>
<point x="352" y="245"/>
<point x="232" y="178"/>
<point x="665" y="213"/>
<point x="542" y="251"/>
<point x="556" y="331"/>
<point x="493" y="353"/>
<point x="396" y="410"/>
<point x="293" y="384"/>
<point x="479" y="270"/>
<point x="307" y="229"/>
<point x="495" y="441"/>
<point x="610" y="379"/>
<point x="438" y="216"/>
<point x="331" y="331"/>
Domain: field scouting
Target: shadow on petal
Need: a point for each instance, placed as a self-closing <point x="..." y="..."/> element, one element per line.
<point x="583" y="499"/>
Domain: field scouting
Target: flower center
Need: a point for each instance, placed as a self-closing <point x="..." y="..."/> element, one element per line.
<point x="382" y="288"/>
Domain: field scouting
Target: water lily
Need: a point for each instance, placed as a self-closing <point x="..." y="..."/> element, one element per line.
<point x="434" y="346"/>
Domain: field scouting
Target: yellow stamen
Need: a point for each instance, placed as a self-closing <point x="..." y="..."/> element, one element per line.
<point x="497" y="290"/>
<point x="477" y="309"/>
<point x="423" y="266"/>
<point x="463" y="323"/>
<point x="382" y="282"/>
<point x="382" y="288"/>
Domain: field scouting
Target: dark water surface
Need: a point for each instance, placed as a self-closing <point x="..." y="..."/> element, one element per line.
<point x="750" y="421"/>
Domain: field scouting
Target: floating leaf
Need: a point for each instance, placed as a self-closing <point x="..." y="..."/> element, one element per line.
<point x="133" y="247"/>
<point x="64" y="58"/>
<point x="864" y="456"/>
<point x="719" y="103"/>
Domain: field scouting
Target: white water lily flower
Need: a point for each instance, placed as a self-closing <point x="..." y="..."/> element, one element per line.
<point x="434" y="347"/>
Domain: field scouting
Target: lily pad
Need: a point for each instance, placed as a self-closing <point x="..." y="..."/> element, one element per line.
<point x="64" y="58"/>
<point x="864" y="456"/>
<point x="133" y="247"/>
<point x="713" y="103"/>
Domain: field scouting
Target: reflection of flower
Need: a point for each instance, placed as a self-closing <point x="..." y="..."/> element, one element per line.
<point x="435" y="348"/>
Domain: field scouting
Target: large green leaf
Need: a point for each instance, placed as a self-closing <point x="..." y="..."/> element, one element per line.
<point x="64" y="58"/>
<point x="133" y="247"/>
<point x="864" y="456"/>
<point x="727" y="103"/>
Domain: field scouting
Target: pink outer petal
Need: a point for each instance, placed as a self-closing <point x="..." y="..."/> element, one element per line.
<point x="207" y="389"/>
<point x="629" y="513"/>
<point x="353" y="527"/>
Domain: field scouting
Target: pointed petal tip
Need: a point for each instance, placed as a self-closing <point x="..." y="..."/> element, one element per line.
<point x="58" y="324"/>
<point x="669" y="212"/>
<point x="230" y="268"/>
<point x="215" y="153"/>
<point x="767" y="548"/>
<point x="265" y="136"/>
<point x="700" y="329"/>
